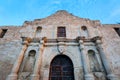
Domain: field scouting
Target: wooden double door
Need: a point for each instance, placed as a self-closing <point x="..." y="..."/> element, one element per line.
<point x="61" y="68"/>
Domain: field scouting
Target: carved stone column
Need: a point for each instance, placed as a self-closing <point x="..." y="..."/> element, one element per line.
<point x="88" y="75"/>
<point x="36" y="72"/>
<point x="108" y="68"/>
<point x="16" y="66"/>
<point x="99" y="61"/>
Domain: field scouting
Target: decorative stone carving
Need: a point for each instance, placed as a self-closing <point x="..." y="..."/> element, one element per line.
<point x="61" y="49"/>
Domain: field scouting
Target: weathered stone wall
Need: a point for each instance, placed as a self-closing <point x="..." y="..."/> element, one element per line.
<point x="49" y="26"/>
<point x="11" y="43"/>
<point x="10" y="46"/>
<point x="111" y="46"/>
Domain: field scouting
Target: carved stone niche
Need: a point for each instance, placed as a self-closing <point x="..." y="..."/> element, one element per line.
<point x="95" y="65"/>
<point x="27" y="66"/>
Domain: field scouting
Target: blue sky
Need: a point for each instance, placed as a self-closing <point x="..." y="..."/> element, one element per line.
<point x="15" y="12"/>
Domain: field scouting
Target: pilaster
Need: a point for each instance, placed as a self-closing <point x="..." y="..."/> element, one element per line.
<point x="36" y="72"/>
<point x="88" y="75"/>
<point x="14" y="73"/>
<point x="110" y="73"/>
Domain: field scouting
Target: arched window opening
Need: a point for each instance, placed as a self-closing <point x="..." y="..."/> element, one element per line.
<point x="94" y="65"/>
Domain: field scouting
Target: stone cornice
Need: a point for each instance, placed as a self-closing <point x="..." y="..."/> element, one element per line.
<point x="94" y="39"/>
<point x="63" y="41"/>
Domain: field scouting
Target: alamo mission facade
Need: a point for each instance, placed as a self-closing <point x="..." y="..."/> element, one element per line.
<point x="60" y="47"/>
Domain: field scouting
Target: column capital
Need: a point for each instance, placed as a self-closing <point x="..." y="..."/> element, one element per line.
<point x="26" y="40"/>
<point x="42" y="41"/>
<point x="98" y="41"/>
<point x="81" y="41"/>
<point x="25" y="43"/>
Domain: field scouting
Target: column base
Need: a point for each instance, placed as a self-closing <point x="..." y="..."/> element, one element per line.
<point x="112" y="77"/>
<point x="35" y="77"/>
<point x="45" y="78"/>
<point x="89" y="77"/>
<point x="12" y="77"/>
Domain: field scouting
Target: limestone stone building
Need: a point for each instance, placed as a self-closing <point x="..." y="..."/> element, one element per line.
<point x="60" y="47"/>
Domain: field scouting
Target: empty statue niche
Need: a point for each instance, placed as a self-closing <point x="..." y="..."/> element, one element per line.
<point x="29" y="62"/>
<point x="96" y="65"/>
<point x="38" y="31"/>
<point x="84" y="31"/>
<point x="27" y="66"/>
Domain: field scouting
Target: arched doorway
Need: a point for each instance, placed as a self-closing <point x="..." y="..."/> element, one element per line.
<point x="61" y="68"/>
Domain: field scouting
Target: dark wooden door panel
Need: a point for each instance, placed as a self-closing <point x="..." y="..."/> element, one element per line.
<point x="61" y="69"/>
